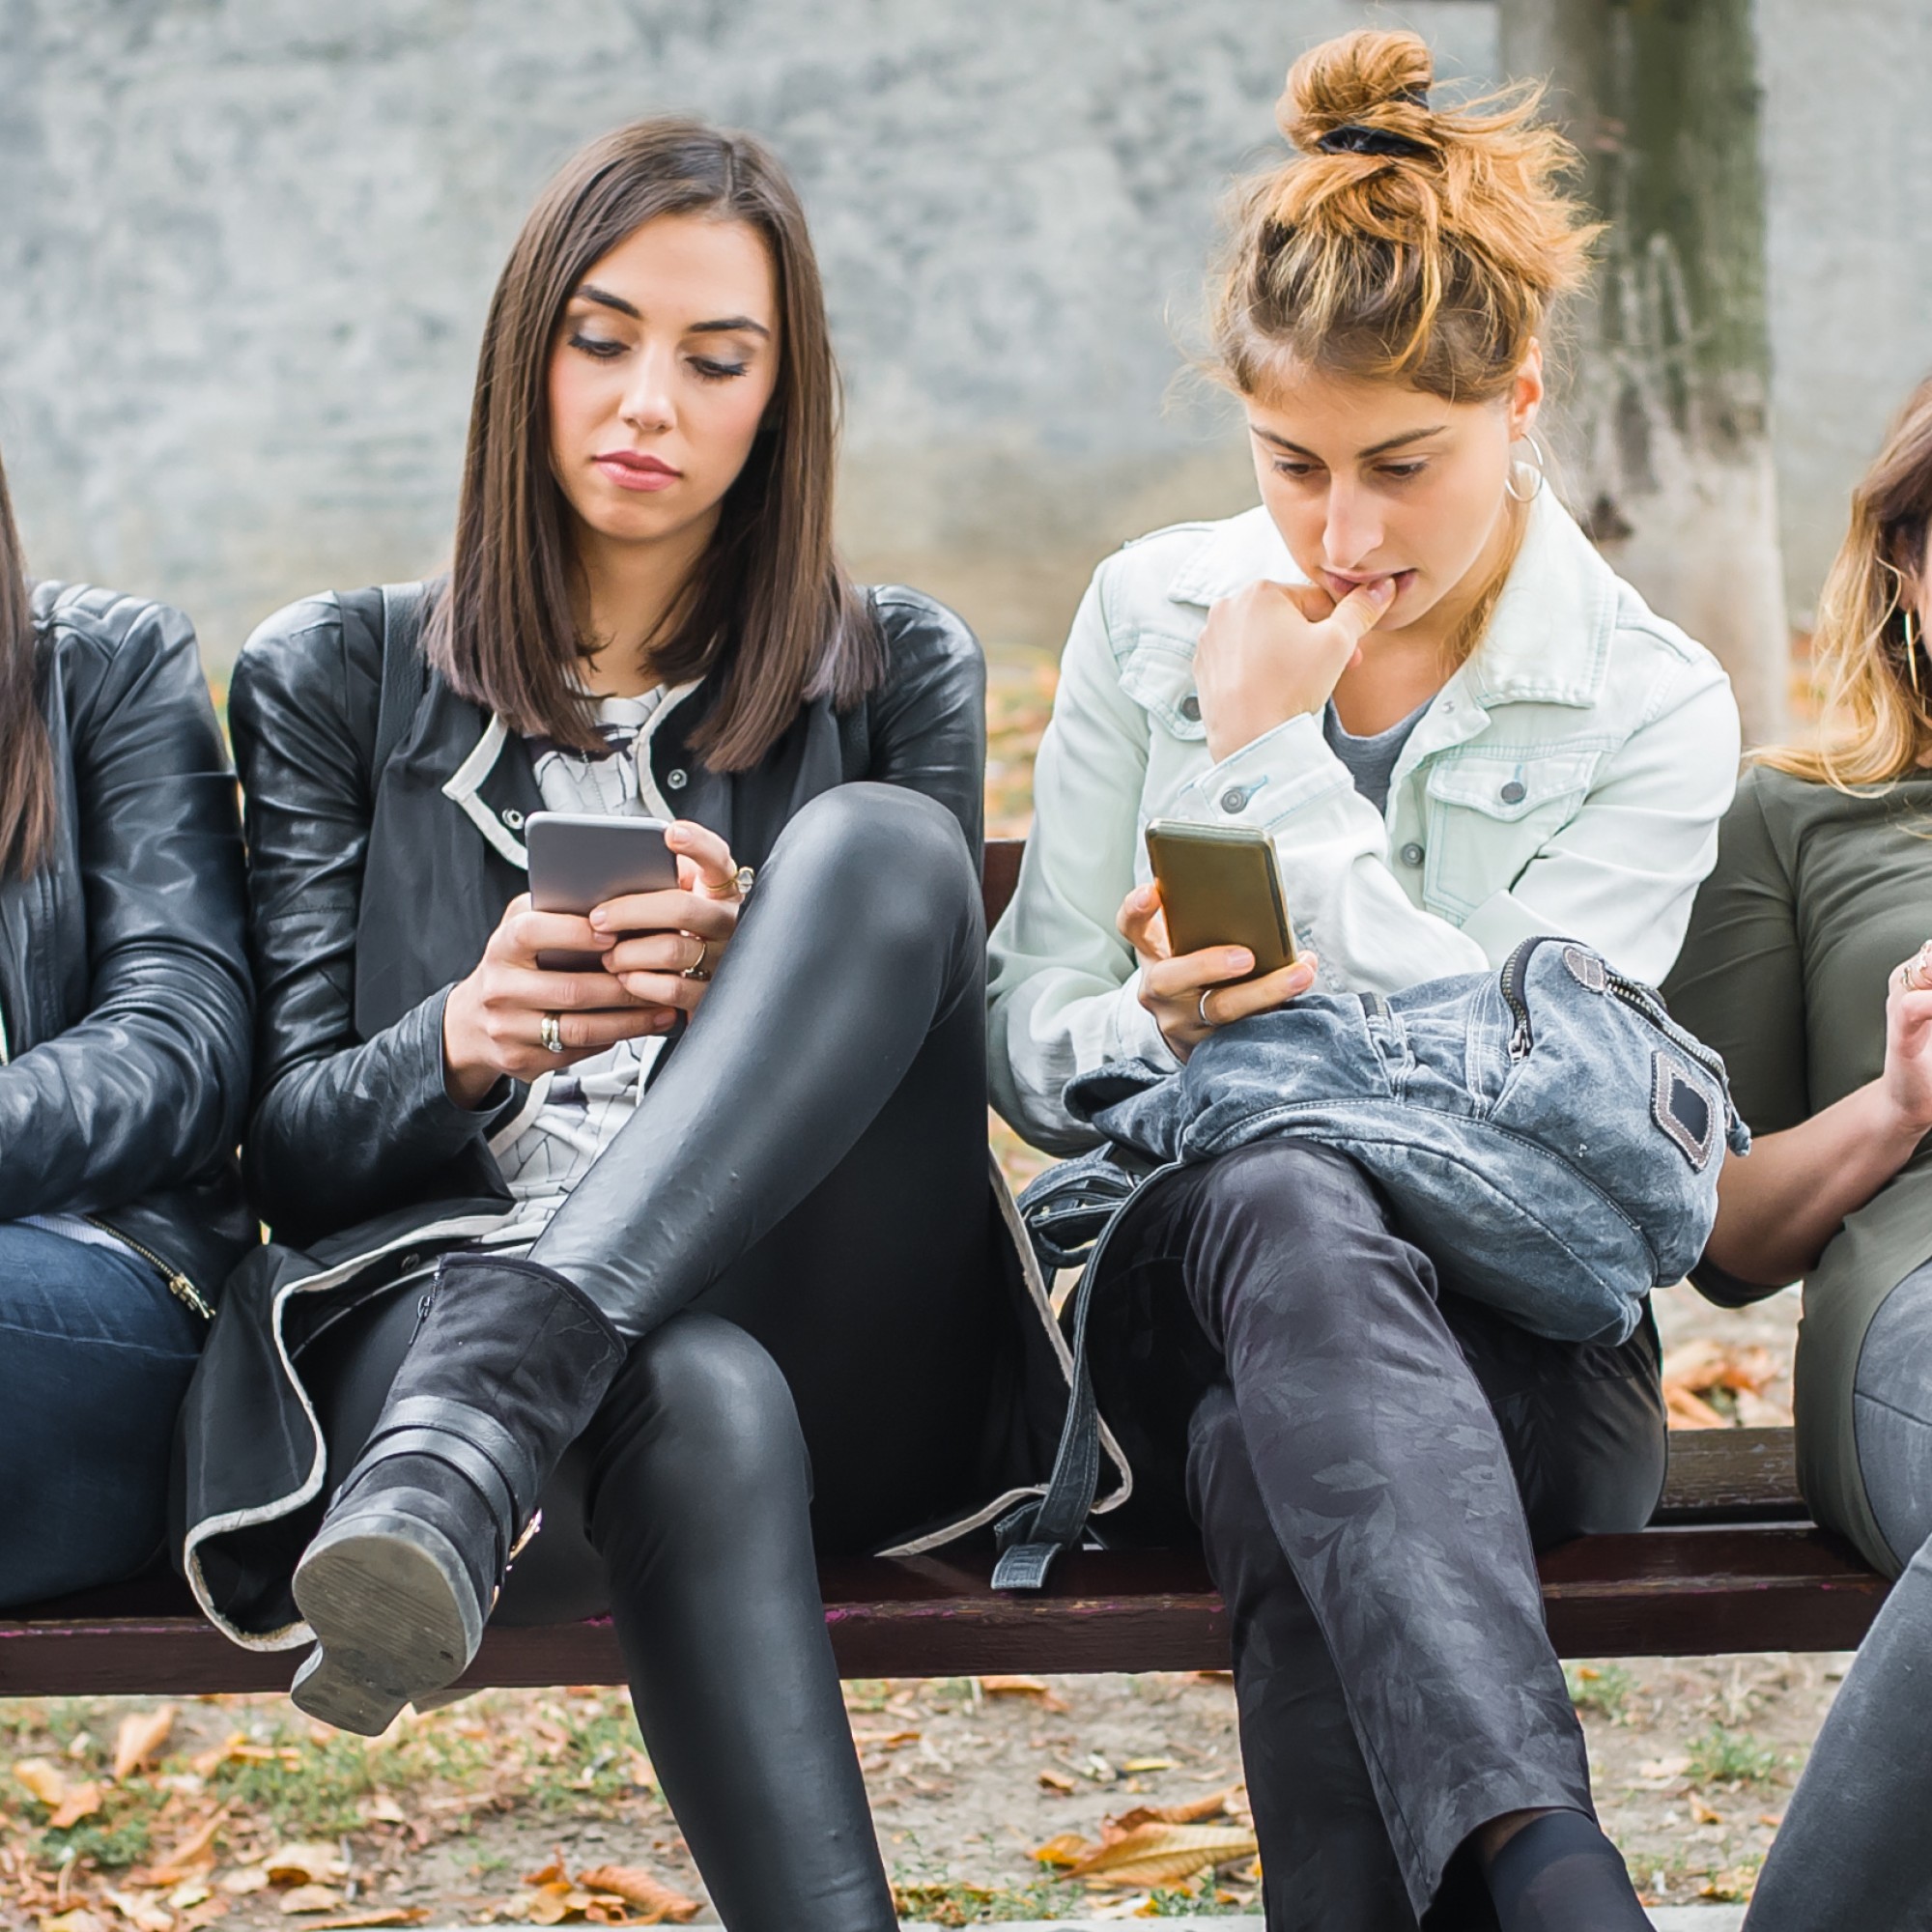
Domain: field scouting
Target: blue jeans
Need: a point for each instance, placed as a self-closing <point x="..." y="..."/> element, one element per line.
<point x="94" y="1357"/>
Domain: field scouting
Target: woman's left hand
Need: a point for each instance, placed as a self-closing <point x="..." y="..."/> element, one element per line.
<point x="675" y="940"/>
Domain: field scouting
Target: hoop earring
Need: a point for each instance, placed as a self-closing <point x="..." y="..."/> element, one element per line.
<point x="1538" y="469"/>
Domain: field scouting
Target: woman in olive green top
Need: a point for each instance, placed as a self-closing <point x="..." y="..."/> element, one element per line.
<point x="1803" y="967"/>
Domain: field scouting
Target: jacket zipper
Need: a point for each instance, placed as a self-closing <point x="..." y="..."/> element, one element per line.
<point x="179" y="1285"/>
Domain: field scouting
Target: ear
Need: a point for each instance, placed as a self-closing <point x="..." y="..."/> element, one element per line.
<point x="1526" y="392"/>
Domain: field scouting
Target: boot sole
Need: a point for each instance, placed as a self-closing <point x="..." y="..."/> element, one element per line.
<point x="390" y="1600"/>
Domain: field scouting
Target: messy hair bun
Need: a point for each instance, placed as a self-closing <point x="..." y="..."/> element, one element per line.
<point x="1401" y="239"/>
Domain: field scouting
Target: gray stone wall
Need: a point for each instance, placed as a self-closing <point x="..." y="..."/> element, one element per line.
<point x="245" y="247"/>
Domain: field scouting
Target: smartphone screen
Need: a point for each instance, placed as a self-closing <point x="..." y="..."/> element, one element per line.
<point x="578" y="859"/>
<point x="1219" y="886"/>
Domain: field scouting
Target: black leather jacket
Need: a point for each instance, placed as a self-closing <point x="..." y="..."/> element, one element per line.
<point x="124" y="982"/>
<point x="370" y="902"/>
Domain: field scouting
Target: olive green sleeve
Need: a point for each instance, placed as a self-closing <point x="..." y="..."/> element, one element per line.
<point x="1739" y="984"/>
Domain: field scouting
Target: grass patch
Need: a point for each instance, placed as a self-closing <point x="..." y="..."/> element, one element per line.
<point x="111" y="1847"/>
<point x="1603" y="1688"/>
<point x="1724" y="1756"/>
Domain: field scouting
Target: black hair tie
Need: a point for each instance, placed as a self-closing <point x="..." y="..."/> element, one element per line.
<point x="1355" y="139"/>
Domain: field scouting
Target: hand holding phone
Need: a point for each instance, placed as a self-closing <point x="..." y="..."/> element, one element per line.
<point x="580" y="860"/>
<point x="1222" y="886"/>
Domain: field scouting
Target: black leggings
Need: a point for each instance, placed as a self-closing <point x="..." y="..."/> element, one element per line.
<point x="811" y="1182"/>
<point x="1370" y="1467"/>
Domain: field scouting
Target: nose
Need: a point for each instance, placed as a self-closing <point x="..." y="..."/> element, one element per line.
<point x="647" y="404"/>
<point x="1351" y="528"/>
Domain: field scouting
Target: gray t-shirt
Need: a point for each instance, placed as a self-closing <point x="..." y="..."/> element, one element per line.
<point x="1370" y="762"/>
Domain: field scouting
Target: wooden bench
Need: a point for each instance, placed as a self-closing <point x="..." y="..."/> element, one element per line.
<point x="1730" y="1563"/>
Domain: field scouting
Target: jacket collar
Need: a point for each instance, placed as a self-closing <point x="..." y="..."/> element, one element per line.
<point x="1549" y="641"/>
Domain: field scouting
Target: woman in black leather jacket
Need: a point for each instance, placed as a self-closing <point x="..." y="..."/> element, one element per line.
<point x="700" y="1302"/>
<point x="124" y="1066"/>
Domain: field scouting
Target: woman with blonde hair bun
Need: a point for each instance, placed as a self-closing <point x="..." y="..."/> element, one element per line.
<point x="1806" y="965"/>
<point x="1459" y="730"/>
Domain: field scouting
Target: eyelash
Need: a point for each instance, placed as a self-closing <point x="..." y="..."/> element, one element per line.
<point x="1396" y="472"/>
<point x="604" y="348"/>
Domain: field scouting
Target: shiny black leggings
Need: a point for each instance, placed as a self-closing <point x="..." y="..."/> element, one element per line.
<point x="802" y="1251"/>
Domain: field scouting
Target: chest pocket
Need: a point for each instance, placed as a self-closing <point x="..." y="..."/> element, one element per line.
<point x="1158" y="675"/>
<point x="1491" y="811"/>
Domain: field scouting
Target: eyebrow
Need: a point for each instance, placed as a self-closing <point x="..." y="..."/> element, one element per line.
<point x="1407" y="435"/>
<point x="725" y="324"/>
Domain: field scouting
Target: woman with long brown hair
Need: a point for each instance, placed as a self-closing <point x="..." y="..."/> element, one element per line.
<point x="124" y="1066"/>
<point x="653" y="1274"/>
<point x="1806" y="965"/>
<point x="1459" y="731"/>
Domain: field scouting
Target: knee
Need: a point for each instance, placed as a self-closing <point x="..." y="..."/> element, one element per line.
<point x="699" y="1408"/>
<point x="882" y="836"/>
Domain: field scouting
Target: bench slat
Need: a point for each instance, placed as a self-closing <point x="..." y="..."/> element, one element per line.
<point x="1732" y="1475"/>
<point x="1661" y="1592"/>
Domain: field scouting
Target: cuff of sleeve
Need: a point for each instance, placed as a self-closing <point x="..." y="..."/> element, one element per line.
<point x="1135" y="1033"/>
<point x="418" y="1037"/>
<point x="1261" y="784"/>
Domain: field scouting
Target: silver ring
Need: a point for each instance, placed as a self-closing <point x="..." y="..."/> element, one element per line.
<point x="1201" y="1008"/>
<point x="549" y="1029"/>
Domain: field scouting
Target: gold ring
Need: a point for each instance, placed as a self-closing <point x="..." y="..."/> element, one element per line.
<point x="549" y="1029"/>
<point x="698" y="971"/>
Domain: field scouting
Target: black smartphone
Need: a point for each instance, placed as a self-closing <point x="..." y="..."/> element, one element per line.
<point x="1219" y="886"/>
<point x="578" y="859"/>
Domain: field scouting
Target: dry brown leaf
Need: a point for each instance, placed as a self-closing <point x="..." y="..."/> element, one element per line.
<point x="304" y="1865"/>
<point x="242" y="1880"/>
<point x="311" y="1898"/>
<point x="389" y="1914"/>
<point x="1057" y="1780"/>
<point x="145" y="1915"/>
<point x="1163" y="1854"/>
<point x="140" y="1738"/>
<point x="1067" y="1849"/>
<point x="69" y="1802"/>
<point x="885" y="1740"/>
<point x="79" y="1920"/>
<point x="1035" y="1687"/>
<point x="637" y="1887"/>
<point x="1139" y="1764"/>
<point x="1190" y="1811"/>
<point x="552" y="1904"/>
<point x="1702" y="1814"/>
<point x="189" y="1853"/>
<point x="1705" y="1363"/>
<point x="552" y="1873"/>
<point x="1685" y="1410"/>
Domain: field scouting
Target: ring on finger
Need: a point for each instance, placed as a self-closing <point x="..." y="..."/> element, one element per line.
<point x="549" y="1029"/>
<point x="699" y="968"/>
<point x="1202" y="1009"/>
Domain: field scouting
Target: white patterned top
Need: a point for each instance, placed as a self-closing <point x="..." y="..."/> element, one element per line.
<point x="573" y="1114"/>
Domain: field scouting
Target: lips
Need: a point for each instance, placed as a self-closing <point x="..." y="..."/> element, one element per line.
<point x="1339" y="583"/>
<point x="636" y="470"/>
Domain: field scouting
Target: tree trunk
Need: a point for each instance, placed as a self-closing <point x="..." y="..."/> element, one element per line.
<point x="1662" y="438"/>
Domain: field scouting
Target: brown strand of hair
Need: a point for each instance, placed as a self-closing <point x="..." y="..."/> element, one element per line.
<point x="1435" y="265"/>
<point x="27" y="789"/>
<point x="1869" y="651"/>
<point x="768" y="607"/>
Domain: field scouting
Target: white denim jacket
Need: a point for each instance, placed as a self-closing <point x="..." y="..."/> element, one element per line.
<point x="1568" y="779"/>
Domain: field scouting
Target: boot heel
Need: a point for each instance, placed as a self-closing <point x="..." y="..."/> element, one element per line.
<point x="391" y="1605"/>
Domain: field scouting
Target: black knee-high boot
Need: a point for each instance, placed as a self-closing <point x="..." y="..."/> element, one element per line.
<point x="508" y="1364"/>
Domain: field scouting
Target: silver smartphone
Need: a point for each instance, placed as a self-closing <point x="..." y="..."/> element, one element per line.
<point x="578" y="859"/>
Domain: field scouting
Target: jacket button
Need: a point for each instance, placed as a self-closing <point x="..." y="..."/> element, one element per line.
<point x="1411" y="854"/>
<point x="1514" y="792"/>
<point x="676" y="779"/>
<point x="1190" y="708"/>
<point x="514" y="819"/>
<point x="1233" y="800"/>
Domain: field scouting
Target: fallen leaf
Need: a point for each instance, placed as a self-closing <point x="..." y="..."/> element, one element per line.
<point x="141" y="1736"/>
<point x="69" y="1802"/>
<point x="383" y="1809"/>
<point x="1662" y="1770"/>
<point x="242" y="1880"/>
<point x="304" y="1865"/>
<point x="311" y="1898"/>
<point x="1134" y="1764"/>
<point x="1771" y="1818"/>
<point x="553" y="1872"/>
<point x="1067" y="1849"/>
<point x="1057" y="1780"/>
<point x="1685" y="1410"/>
<point x="1160" y="1854"/>
<point x="190" y="1894"/>
<point x="390" y="1915"/>
<point x="1702" y="1814"/>
<point x="1035" y="1687"/>
<point x="190" y="1851"/>
<point x="79" y="1920"/>
<point x="637" y="1887"/>
<point x="146" y="1914"/>
<point x="885" y="1740"/>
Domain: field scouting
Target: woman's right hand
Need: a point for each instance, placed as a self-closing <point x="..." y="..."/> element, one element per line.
<point x="1907" y="1079"/>
<point x="1180" y="991"/>
<point x="493" y="1022"/>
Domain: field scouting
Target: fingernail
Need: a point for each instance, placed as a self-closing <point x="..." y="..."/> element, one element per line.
<point x="1381" y="590"/>
<point x="1238" y="959"/>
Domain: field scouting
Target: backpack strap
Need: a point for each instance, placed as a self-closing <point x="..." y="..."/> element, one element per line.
<point x="404" y="673"/>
